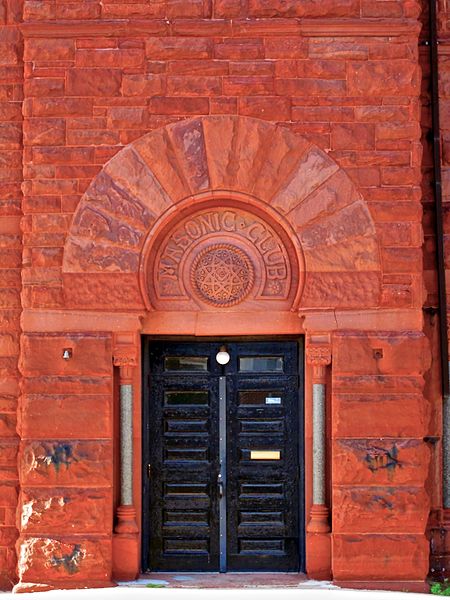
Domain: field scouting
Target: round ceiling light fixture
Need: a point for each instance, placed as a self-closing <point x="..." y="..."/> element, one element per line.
<point x="223" y="357"/>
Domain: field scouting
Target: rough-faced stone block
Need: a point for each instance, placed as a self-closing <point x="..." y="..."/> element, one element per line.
<point x="64" y="559"/>
<point x="44" y="132"/>
<point x="66" y="462"/>
<point x="394" y="461"/>
<point x="400" y="77"/>
<point x="102" y="290"/>
<point x="93" y="82"/>
<point x="84" y="511"/>
<point x="401" y="414"/>
<point x="68" y="384"/>
<point x="379" y="557"/>
<point x="403" y="354"/>
<point x="189" y="144"/>
<point x="313" y="169"/>
<point x="43" y="354"/>
<point x="77" y="417"/>
<point x="344" y="289"/>
<point x="178" y="48"/>
<point x="310" y="8"/>
<point x="45" y="50"/>
<point x="380" y="509"/>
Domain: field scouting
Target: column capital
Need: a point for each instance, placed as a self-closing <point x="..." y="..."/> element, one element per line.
<point x="126" y="360"/>
<point x="319" y="356"/>
<point x="125" y="355"/>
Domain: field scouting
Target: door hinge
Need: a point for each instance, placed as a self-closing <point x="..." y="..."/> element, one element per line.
<point x="149" y="471"/>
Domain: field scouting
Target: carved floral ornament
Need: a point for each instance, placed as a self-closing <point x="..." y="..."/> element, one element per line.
<point x="318" y="356"/>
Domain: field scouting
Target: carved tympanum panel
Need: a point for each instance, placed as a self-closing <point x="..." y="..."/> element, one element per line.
<point x="222" y="274"/>
<point x="220" y="257"/>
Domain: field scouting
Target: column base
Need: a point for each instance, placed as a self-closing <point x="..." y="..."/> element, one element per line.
<point x="125" y="557"/>
<point x="318" y="555"/>
<point x="318" y="519"/>
<point x="126" y="519"/>
<point x="125" y="545"/>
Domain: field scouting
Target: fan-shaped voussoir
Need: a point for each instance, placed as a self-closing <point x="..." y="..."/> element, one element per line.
<point x="313" y="168"/>
<point x="158" y="154"/>
<point x="131" y="174"/>
<point x="351" y="221"/>
<point x="82" y="255"/>
<point x="280" y="159"/>
<point x="236" y="149"/>
<point x="360" y="253"/>
<point x="188" y="141"/>
<point x="335" y="193"/>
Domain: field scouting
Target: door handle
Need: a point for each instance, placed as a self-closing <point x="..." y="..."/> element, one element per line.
<point x="220" y="485"/>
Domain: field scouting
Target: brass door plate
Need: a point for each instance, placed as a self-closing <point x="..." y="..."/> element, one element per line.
<point x="265" y="455"/>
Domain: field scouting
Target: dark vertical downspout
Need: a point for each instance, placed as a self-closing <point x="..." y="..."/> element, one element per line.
<point x="437" y="189"/>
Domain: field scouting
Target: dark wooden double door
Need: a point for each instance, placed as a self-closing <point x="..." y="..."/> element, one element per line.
<point x="223" y="458"/>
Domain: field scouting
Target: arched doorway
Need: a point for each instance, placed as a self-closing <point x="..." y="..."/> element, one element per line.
<point x="222" y="227"/>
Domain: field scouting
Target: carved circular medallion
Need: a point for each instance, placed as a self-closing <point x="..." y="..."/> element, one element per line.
<point x="222" y="274"/>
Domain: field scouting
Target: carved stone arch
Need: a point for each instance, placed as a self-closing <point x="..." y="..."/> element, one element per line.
<point x="291" y="193"/>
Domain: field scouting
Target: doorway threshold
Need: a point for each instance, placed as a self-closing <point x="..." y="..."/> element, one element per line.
<point x="227" y="581"/>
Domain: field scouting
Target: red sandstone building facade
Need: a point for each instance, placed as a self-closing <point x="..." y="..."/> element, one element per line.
<point x="182" y="178"/>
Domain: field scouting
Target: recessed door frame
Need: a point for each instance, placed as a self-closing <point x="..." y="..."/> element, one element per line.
<point x="146" y="524"/>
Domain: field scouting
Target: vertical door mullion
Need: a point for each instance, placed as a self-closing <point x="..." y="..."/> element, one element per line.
<point x="222" y="482"/>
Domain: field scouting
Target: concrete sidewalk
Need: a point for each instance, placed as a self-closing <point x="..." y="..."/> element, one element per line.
<point x="302" y="592"/>
<point x="228" y="581"/>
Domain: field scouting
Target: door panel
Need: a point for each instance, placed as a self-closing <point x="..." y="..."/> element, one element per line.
<point x="263" y="458"/>
<point x="182" y="506"/>
<point x="183" y="437"/>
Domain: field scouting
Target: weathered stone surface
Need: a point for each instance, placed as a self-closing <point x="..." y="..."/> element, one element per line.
<point x="355" y="254"/>
<point x="82" y="511"/>
<point x="350" y="222"/>
<point x="189" y="144"/>
<point x="44" y="131"/>
<point x="64" y="559"/>
<point x="355" y="352"/>
<point x="71" y="417"/>
<point x="48" y="50"/>
<point x="86" y="255"/>
<point x="344" y="290"/>
<point x="107" y="195"/>
<point x="68" y="384"/>
<point x="282" y="156"/>
<point x="42" y="354"/>
<point x="93" y="82"/>
<point x="335" y="193"/>
<point x="158" y="154"/>
<point x="310" y="8"/>
<point x="236" y="151"/>
<point x="313" y="169"/>
<point x="377" y="557"/>
<point x="131" y="174"/>
<point x="66" y="462"/>
<point x="374" y="509"/>
<point x="102" y="290"/>
<point x="380" y="461"/>
<point x="383" y="78"/>
<point x="367" y="414"/>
